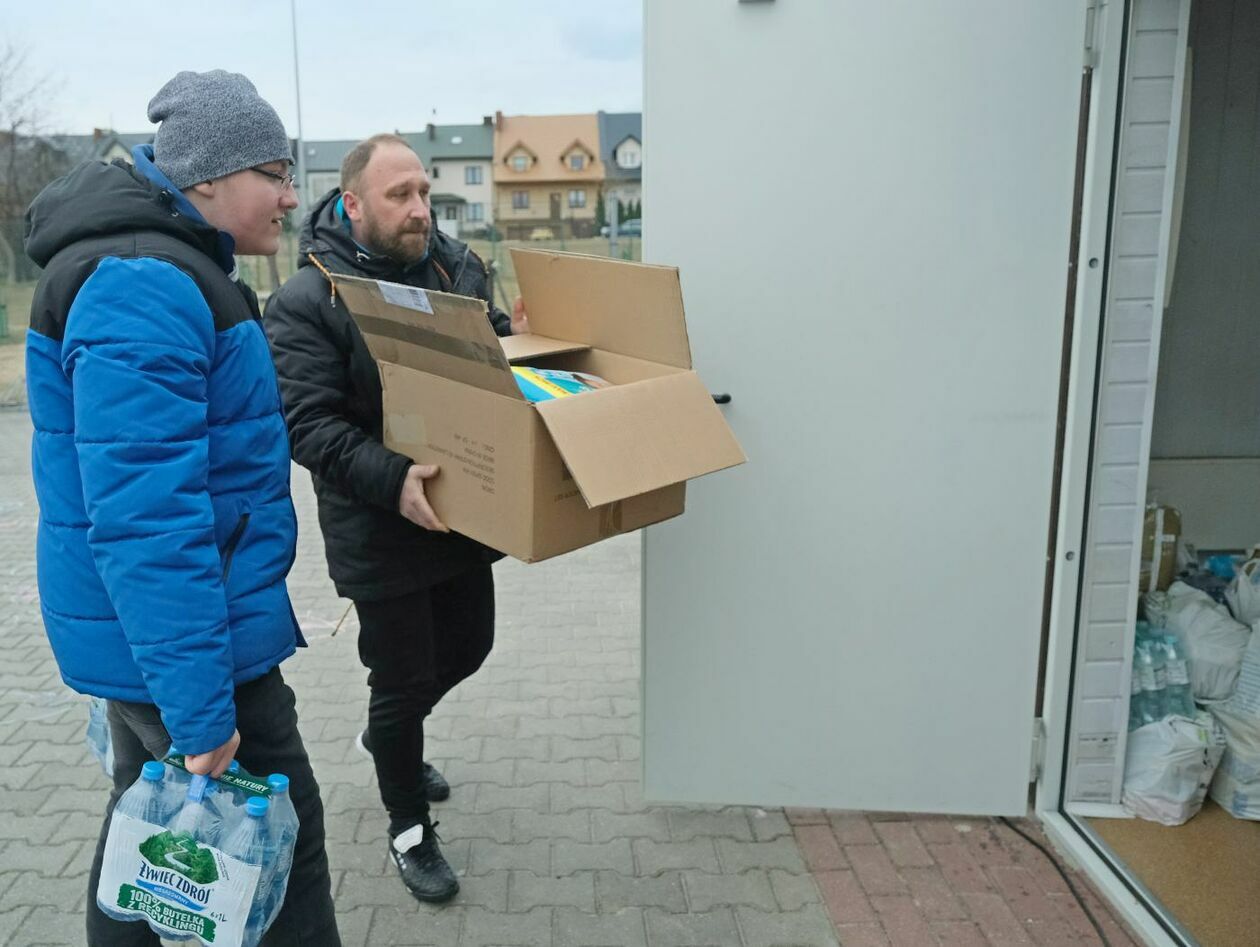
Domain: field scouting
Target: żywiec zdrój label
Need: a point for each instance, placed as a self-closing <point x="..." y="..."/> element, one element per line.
<point x="180" y="885"/>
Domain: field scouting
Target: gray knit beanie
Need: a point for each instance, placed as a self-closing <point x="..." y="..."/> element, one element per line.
<point x="214" y="124"/>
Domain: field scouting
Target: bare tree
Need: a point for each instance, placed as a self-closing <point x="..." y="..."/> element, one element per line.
<point x="28" y="160"/>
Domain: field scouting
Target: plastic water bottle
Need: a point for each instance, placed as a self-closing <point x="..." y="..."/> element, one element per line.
<point x="143" y="800"/>
<point x="1153" y="695"/>
<point x="250" y="842"/>
<point x="98" y="736"/>
<point x="1180" y="698"/>
<point x="195" y="818"/>
<point x="283" y="820"/>
<point x="1137" y="697"/>
<point x="283" y="823"/>
<point x="1155" y="647"/>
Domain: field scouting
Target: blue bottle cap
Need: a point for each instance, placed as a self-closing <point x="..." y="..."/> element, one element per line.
<point x="153" y="771"/>
<point x="234" y="767"/>
<point x="278" y="782"/>
<point x="257" y="806"/>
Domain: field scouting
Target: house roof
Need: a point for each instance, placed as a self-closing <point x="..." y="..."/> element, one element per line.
<point x="84" y="147"/>
<point x="614" y="128"/>
<point x="443" y="142"/>
<point x="550" y="138"/>
<point x="326" y="155"/>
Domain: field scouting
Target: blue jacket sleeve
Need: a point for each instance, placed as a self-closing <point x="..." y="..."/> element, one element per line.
<point x="138" y="350"/>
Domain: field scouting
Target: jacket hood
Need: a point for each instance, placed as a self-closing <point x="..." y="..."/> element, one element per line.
<point x="97" y="199"/>
<point x="326" y="235"/>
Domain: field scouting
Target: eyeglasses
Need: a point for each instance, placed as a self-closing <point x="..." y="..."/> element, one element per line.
<point x="285" y="180"/>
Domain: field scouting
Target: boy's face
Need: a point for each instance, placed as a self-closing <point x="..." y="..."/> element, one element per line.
<point x="250" y="205"/>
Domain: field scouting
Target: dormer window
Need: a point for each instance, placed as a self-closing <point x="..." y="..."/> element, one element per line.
<point x="520" y="162"/>
<point x="577" y="162"/>
<point x="628" y="154"/>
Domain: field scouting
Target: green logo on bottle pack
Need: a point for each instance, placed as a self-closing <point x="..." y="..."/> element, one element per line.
<point x="181" y="853"/>
<point x="131" y="898"/>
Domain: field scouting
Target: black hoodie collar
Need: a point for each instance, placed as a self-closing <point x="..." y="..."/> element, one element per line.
<point x="325" y="235"/>
<point x="97" y="199"/>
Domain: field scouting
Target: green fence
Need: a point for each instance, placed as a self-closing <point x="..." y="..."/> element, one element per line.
<point x="257" y="271"/>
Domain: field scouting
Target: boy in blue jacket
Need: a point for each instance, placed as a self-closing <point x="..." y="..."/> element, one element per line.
<point x="161" y="461"/>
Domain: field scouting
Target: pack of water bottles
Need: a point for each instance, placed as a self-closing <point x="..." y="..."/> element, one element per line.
<point x="1161" y="678"/>
<point x="197" y="858"/>
<point x="1173" y="748"/>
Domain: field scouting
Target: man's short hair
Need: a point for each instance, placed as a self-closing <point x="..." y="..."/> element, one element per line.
<point x="357" y="159"/>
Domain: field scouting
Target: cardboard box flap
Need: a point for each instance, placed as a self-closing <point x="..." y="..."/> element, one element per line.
<point x="629" y="308"/>
<point x="521" y="348"/>
<point x="622" y="441"/>
<point x="434" y="332"/>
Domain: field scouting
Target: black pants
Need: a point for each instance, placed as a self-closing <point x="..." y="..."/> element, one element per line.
<point x="270" y="743"/>
<point x="416" y="648"/>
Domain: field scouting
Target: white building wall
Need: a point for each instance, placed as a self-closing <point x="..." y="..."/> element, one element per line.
<point x="451" y="178"/>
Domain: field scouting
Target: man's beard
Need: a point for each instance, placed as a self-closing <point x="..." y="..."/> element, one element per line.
<point x="395" y="245"/>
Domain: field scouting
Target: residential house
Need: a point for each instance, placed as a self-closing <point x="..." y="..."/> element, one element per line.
<point x="104" y="144"/>
<point x="322" y="166"/>
<point x="459" y="161"/>
<point x="621" y="148"/>
<point x="547" y="175"/>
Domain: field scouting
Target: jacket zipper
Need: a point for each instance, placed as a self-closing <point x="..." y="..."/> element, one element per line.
<point x="230" y="549"/>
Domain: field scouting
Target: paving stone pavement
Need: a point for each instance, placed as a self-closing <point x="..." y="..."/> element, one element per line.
<point x="546" y="823"/>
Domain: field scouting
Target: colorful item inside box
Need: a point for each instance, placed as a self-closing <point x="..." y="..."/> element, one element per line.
<point x="543" y="384"/>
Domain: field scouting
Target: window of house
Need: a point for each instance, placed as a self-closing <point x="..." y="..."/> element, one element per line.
<point x="476" y="212"/>
<point x="520" y="200"/>
<point x="472" y="174"/>
<point x="629" y="158"/>
<point x="436" y="172"/>
<point x="520" y="163"/>
<point x="577" y="162"/>
<point x="577" y="198"/>
<point x="451" y="212"/>
<point x="322" y="181"/>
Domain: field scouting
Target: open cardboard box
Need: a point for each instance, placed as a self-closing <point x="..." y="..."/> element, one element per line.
<point x="537" y="480"/>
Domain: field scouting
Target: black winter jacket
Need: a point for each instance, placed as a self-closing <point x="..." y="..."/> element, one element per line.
<point x="332" y="401"/>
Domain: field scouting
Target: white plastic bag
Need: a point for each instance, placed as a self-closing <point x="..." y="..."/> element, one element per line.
<point x="1168" y="767"/>
<point x="1237" y="785"/>
<point x="1243" y="594"/>
<point x="1214" y="641"/>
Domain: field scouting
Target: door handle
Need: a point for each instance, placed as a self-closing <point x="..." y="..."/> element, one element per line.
<point x="722" y="399"/>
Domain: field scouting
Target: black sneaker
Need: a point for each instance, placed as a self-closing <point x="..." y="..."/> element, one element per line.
<point x="436" y="788"/>
<point x="424" y="871"/>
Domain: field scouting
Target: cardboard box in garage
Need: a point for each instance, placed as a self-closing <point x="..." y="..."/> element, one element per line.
<point x="537" y="480"/>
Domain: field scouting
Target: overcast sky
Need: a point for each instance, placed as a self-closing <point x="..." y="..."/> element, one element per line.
<point x="366" y="65"/>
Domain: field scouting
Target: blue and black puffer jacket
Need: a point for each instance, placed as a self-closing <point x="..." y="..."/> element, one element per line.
<point x="160" y="455"/>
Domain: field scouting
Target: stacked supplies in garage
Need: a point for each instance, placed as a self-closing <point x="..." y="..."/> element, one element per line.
<point x="1206" y="616"/>
<point x="1189" y="651"/>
